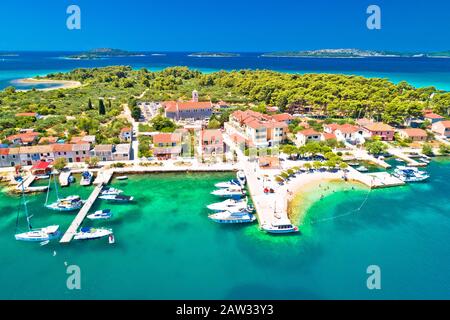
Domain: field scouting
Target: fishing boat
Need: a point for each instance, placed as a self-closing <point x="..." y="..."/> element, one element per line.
<point x="110" y="191"/>
<point x="281" y="226"/>
<point x="88" y="233"/>
<point x="100" y="215"/>
<point x="362" y="169"/>
<point x="122" y="177"/>
<point x="241" y="216"/>
<point x="232" y="192"/>
<point x="116" y="198"/>
<point x="228" y="184"/>
<point x="240" y="175"/>
<point x="86" y="178"/>
<point x="70" y="203"/>
<point x="410" y="174"/>
<point x="229" y="205"/>
<point x="35" y="235"/>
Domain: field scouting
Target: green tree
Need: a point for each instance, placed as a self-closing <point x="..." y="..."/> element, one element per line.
<point x="427" y="150"/>
<point x="60" y="163"/>
<point x="101" y="107"/>
<point x="375" y="147"/>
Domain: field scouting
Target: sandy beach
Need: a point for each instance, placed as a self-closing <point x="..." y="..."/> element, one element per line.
<point x="59" y="84"/>
<point x="305" y="189"/>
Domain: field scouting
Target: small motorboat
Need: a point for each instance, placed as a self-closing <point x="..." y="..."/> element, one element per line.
<point x="228" y="184"/>
<point x="229" y="204"/>
<point x="122" y="177"/>
<point x="353" y="164"/>
<point x="362" y="169"/>
<point x="242" y="216"/>
<point x="88" y="233"/>
<point x="229" y="192"/>
<point x="86" y="178"/>
<point x="240" y="175"/>
<point x="42" y="176"/>
<point x="116" y="198"/>
<point x="410" y="174"/>
<point x="71" y="179"/>
<point x="40" y="235"/>
<point x="110" y="191"/>
<point x="282" y="226"/>
<point x="70" y="203"/>
<point x="111" y="239"/>
<point x="100" y="215"/>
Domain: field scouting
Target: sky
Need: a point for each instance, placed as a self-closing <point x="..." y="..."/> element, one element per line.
<point x="226" y="25"/>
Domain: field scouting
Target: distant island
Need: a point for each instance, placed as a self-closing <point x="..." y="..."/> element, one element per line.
<point x="104" y="53"/>
<point x="354" y="53"/>
<point x="214" y="55"/>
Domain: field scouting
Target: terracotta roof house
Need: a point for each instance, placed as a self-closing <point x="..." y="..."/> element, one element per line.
<point x="211" y="142"/>
<point x="414" y="134"/>
<point x="433" y="117"/>
<point x="178" y="110"/>
<point x="283" y="117"/>
<point x="125" y="134"/>
<point x="308" y="135"/>
<point x="24" y="139"/>
<point x="259" y="129"/>
<point x="122" y="152"/>
<point x="167" y="145"/>
<point x="442" y="128"/>
<point x="382" y="130"/>
<point x="48" y="140"/>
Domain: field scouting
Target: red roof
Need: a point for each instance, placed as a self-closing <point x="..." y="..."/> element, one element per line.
<point x="41" y="165"/>
<point x="309" y="132"/>
<point x="282" y="117"/>
<point x="415" y="132"/>
<point x="26" y="114"/>
<point x="329" y="136"/>
<point x="446" y="123"/>
<point x="166" y="138"/>
<point x="24" y="137"/>
<point x="61" y="147"/>
<point x="4" y="151"/>
<point x="432" y="115"/>
<point x="174" y="106"/>
<point x="125" y="130"/>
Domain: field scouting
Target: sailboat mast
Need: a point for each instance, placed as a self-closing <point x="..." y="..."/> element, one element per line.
<point x="25" y="206"/>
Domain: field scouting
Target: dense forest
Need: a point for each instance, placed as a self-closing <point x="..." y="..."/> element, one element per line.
<point x="97" y="103"/>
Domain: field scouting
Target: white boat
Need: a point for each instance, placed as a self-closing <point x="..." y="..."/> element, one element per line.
<point x="228" y="184"/>
<point x="228" y="205"/>
<point x="42" y="176"/>
<point x="410" y="174"/>
<point x="241" y="216"/>
<point x="70" y="203"/>
<point x="240" y="175"/>
<point x="100" y="215"/>
<point x="35" y="235"/>
<point x="40" y="235"/>
<point x="111" y="239"/>
<point x="88" y="233"/>
<point x="362" y="169"/>
<point x="86" y="178"/>
<point x="281" y="226"/>
<point x="110" y="191"/>
<point x="229" y="192"/>
<point x="116" y="198"/>
<point x="122" y="177"/>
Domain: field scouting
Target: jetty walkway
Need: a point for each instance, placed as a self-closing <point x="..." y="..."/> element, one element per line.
<point x="102" y="178"/>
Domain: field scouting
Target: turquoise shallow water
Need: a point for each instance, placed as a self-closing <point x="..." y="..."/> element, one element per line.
<point x="166" y="248"/>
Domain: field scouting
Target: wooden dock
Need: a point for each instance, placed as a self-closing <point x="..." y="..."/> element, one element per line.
<point x="76" y="223"/>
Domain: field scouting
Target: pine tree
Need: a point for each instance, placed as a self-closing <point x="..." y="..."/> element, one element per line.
<point x="90" y="107"/>
<point x="101" y="107"/>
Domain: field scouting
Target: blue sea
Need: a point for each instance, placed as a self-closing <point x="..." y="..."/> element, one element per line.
<point x="420" y="72"/>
